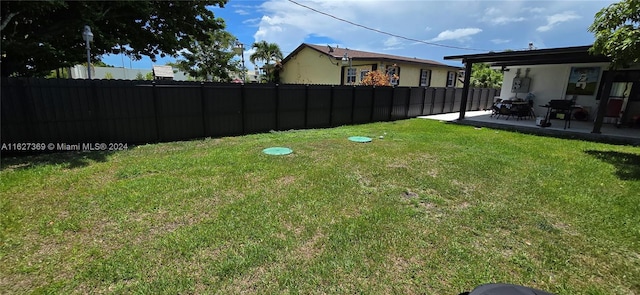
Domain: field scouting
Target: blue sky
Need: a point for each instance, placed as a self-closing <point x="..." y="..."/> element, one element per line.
<point x="467" y="26"/>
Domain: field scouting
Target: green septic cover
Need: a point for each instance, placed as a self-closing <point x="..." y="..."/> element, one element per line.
<point x="277" y="151"/>
<point x="360" y="139"/>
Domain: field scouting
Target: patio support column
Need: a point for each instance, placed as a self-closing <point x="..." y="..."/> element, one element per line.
<point x="465" y="87"/>
<point x="604" y="101"/>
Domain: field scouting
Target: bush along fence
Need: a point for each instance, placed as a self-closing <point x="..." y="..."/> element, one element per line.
<point x="62" y="111"/>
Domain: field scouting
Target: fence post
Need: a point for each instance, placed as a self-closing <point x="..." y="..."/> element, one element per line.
<point x="373" y="103"/>
<point x="353" y="103"/>
<point x="406" y="110"/>
<point x="331" y="107"/>
<point x="424" y="94"/>
<point x="393" y="96"/>
<point x="202" y="110"/>
<point x="95" y="112"/>
<point x="277" y="90"/>
<point x="306" y="106"/>
<point x="154" y="92"/>
<point x="243" y="108"/>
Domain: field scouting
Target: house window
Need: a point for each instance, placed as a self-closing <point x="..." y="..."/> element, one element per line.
<point x="363" y="74"/>
<point x="425" y="78"/>
<point x="451" y="79"/>
<point x="351" y="75"/>
<point x="394" y="74"/>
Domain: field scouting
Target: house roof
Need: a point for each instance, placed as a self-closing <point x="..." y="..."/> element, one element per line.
<point x="337" y="54"/>
<point x="163" y="71"/>
<point x="562" y="55"/>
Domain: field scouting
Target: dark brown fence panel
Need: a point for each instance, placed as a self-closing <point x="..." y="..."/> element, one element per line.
<point x="457" y="100"/>
<point x="62" y="110"/>
<point x="16" y="112"/>
<point x="382" y="104"/>
<point x="81" y="111"/>
<point x="362" y="104"/>
<point x="260" y="108"/>
<point x="400" y="103"/>
<point x="416" y="102"/>
<point x="449" y="99"/>
<point x="429" y="101"/>
<point x="342" y="105"/>
<point x="124" y="111"/>
<point x="484" y="97"/>
<point x="475" y="101"/>
<point x="439" y="100"/>
<point x="319" y="106"/>
<point x="179" y="111"/>
<point x="291" y="106"/>
<point x="223" y="109"/>
<point x="492" y="93"/>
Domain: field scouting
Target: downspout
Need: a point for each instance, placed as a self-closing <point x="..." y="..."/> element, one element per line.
<point x="465" y="88"/>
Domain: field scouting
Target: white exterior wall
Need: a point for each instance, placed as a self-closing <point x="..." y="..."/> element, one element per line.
<point x="80" y="72"/>
<point x="550" y="82"/>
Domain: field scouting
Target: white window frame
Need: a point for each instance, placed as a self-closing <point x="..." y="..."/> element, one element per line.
<point x="425" y="78"/>
<point x="363" y="73"/>
<point x="451" y="79"/>
<point x="351" y="75"/>
<point x="391" y="70"/>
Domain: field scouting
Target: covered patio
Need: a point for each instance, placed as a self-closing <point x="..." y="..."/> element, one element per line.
<point x="540" y="76"/>
<point x="579" y="129"/>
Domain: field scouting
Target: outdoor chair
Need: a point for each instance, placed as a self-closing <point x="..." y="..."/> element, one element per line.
<point x="495" y="107"/>
<point x="520" y="111"/>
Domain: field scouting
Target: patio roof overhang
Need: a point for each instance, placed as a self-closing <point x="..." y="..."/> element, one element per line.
<point x="565" y="55"/>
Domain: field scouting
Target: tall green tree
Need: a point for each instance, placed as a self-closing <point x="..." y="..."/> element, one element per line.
<point x="483" y="76"/>
<point x="268" y="52"/>
<point x="210" y="58"/>
<point x="617" y="33"/>
<point x="40" y="36"/>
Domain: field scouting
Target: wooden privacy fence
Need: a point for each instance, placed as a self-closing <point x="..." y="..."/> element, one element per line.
<point x="35" y="110"/>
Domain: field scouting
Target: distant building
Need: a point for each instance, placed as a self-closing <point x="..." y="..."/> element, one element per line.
<point x="120" y="73"/>
<point x="162" y="73"/>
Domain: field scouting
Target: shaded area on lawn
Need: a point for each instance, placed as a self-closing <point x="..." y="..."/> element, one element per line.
<point x="627" y="164"/>
<point x="69" y="160"/>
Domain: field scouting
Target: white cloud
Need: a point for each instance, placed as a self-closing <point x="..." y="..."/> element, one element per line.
<point x="556" y="19"/>
<point x="251" y="21"/>
<point x="533" y="9"/>
<point x="501" y="20"/>
<point x="500" y="41"/>
<point x="457" y="34"/>
<point x="241" y="12"/>
<point x="392" y="42"/>
<point x="492" y="11"/>
<point x="496" y="16"/>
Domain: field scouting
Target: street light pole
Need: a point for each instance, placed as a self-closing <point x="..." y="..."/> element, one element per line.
<point x="346" y="59"/>
<point x="88" y="37"/>
<point x="239" y="49"/>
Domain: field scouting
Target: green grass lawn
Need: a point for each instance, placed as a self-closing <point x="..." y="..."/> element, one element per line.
<point x="433" y="208"/>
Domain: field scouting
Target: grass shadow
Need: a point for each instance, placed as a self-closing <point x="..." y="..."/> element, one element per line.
<point x="68" y="160"/>
<point x="627" y="164"/>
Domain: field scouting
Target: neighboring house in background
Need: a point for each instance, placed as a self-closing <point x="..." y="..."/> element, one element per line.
<point x="120" y="73"/>
<point x="317" y="64"/>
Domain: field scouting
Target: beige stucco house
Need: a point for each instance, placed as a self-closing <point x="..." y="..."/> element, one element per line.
<point x="320" y="64"/>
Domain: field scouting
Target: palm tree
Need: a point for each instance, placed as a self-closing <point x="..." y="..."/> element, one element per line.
<point x="267" y="52"/>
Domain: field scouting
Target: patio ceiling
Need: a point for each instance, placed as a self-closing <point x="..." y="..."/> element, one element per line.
<point x="565" y="55"/>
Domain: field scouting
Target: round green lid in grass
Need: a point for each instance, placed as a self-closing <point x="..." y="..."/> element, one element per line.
<point x="360" y="139"/>
<point x="277" y="151"/>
